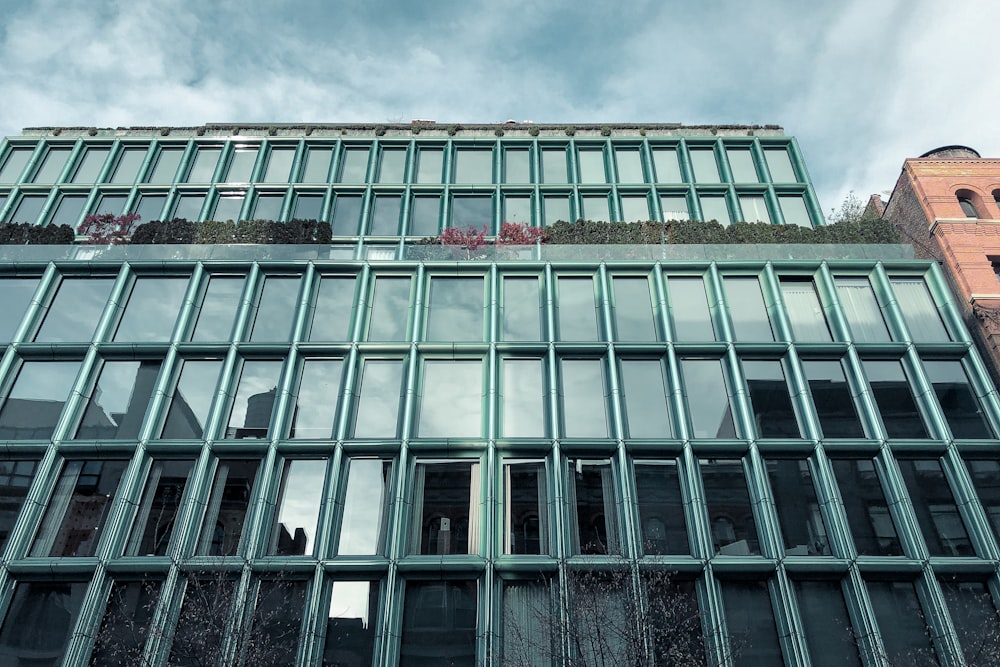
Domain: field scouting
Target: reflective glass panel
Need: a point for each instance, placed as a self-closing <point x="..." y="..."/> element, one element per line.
<point x="277" y="620"/>
<point x="986" y="479"/>
<point x="576" y="308"/>
<point x="473" y="166"/>
<point x="152" y="309"/>
<point x="430" y="165"/>
<point x="192" y="399"/>
<point x="629" y="165"/>
<point x="894" y="399"/>
<point x="689" y="309"/>
<point x="798" y="507"/>
<point x="635" y="208"/>
<point x="439" y="624"/>
<point x="805" y="312"/>
<point x="68" y="211"/>
<point x="647" y="409"/>
<point x="445" y="508"/>
<point x="15" y="297"/>
<point x="308" y="207"/>
<point x="861" y="310"/>
<point x="667" y="169"/>
<point x="377" y="404"/>
<point x="389" y="305"/>
<point x="40" y="620"/>
<point x="975" y="617"/>
<point x="730" y="514"/>
<point x="334" y="307"/>
<point x="661" y="508"/>
<point x="232" y="492"/>
<point x="525" y="508"/>
<point x="16" y="476"/>
<point x="517" y="165"/>
<point x="318" y="400"/>
<point x="451" y="399"/>
<point x="921" y="315"/>
<point x="199" y="638"/>
<point x="934" y="505"/>
<point x="159" y="508"/>
<point x="632" y="309"/>
<point x="12" y="167"/>
<point x="28" y="209"/>
<point x="794" y="210"/>
<point x="346" y="215"/>
<point x="425" y="216"/>
<point x="901" y="622"/>
<point x="866" y="508"/>
<point x="165" y="166"/>
<point x="354" y="165"/>
<point x="780" y="165"/>
<point x="472" y="211"/>
<point x="366" y="507"/>
<point x="591" y="161"/>
<point x="218" y="308"/>
<point x="959" y="404"/>
<point x="241" y="165"/>
<point x="229" y="207"/>
<point x="251" y="412"/>
<point x="835" y="407"/>
<point x="591" y="488"/>
<point x="455" y="309"/>
<point x="741" y="165"/>
<point x="189" y="207"/>
<point x="521" y="309"/>
<point x="150" y="207"/>
<point x="749" y="614"/>
<point x="52" y="165"/>
<point x="385" y="215"/>
<point x="267" y="207"/>
<point x="115" y="204"/>
<point x="583" y="401"/>
<point x="596" y="207"/>
<point x="391" y="165"/>
<point x="754" y="209"/>
<point x="90" y="165"/>
<point x="707" y="399"/>
<point x="122" y="636"/>
<point x="829" y="636"/>
<point x="203" y="168"/>
<point x="275" y="317"/>
<point x="556" y="208"/>
<point x="704" y="166"/>
<point x="351" y="624"/>
<point x="747" y="309"/>
<point x="517" y="209"/>
<point x="279" y="164"/>
<point x="33" y="406"/>
<point x="527" y="630"/>
<point x="294" y="531"/>
<point x="79" y="506"/>
<point x="554" y="165"/>
<point x="770" y="401"/>
<point x="317" y="167"/>
<point x="523" y="401"/>
<point x="714" y="207"/>
<point x="117" y="405"/>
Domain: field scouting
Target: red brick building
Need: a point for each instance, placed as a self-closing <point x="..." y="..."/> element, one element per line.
<point x="947" y="204"/>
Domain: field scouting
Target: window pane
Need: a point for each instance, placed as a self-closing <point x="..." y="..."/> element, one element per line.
<point x="455" y="309"/>
<point x="203" y="169"/>
<point x="741" y="165"/>
<point x="576" y="309"/>
<point x="317" y="165"/>
<point x="517" y="209"/>
<point x="354" y="165"/>
<point x="150" y="207"/>
<point x="446" y="500"/>
<point x="596" y="207"/>
<point x="17" y="159"/>
<point x="780" y="165"/>
<point x="528" y="631"/>
<point x="115" y="204"/>
<point x="667" y="170"/>
<point x="715" y="208"/>
<point x="472" y="211"/>
<point x="975" y="617"/>
<point x="267" y="207"/>
<point x="52" y="165"/>
<point x="351" y="624"/>
<point x="425" y="216"/>
<point x="68" y="211"/>
<point x="635" y="208"/>
<point x="523" y="399"/>
<point x="473" y="166"/>
<point x="707" y="399"/>
<point x="805" y="312"/>
<point x="308" y="207"/>
<point x="521" y="309"/>
<point x="251" y="412"/>
<point x="986" y="479"/>
<point x="831" y="640"/>
<point x="28" y="209"/>
<point x="429" y="166"/>
<point x="392" y="165"/>
<point x="40" y="620"/>
<point x="192" y="400"/>
<point x="770" y="401"/>
<point x="451" y="401"/>
<point x="647" y="409"/>
<point x="161" y="503"/>
<point x="377" y="405"/>
<point x="294" y="531"/>
<point x="346" y="215"/>
<point x="218" y="308"/>
<point x="921" y="315"/>
<point x="517" y="165"/>
<point x="835" y="407"/>
<point x="793" y="208"/>
<point x="152" y="309"/>
<point x="117" y="406"/>
<point x="689" y="309"/>
<point x="16" y="476"/>
<point x="273" y="636"/>
<point x="661" y="508"/>
<point x="727" y="500"/>
<point x="334" y="308"/>
<point x="232" y="492"/>
<point x="366" y="507"/>
<point x="901" y="621"/>
<point x="525" y="508"/>
<point x="629" y="165"/>
<point x="798" y="507"/>
<point x="165" y="166"/>
<point x="632" y="309"/>
<point x="556" y="208"/>
<point x="934" y="505"/>
<point x="861" y="310"/>
<point x="958" y="402"/>
<point x="554" y="166"/>
<point x="439" y="624"/>
<point x="275" y="317"/>
<point x="704" y="166"/>
<point x="866" y="508"/>
<point x="747" y="309"/>
<point x="35" y="402"/>
<point x="748" y="611"/>
<point x="15" y="297"/>
<point x="592" y="166"/>
<point x="79" y="506"/>
<point x="754" y="209"/>
<point x="385" y="215"/>
<point x="583" y="399"/>
<point x="189" y="207"/>
<point x="90" y="165"/>
<point x="121" y="640"/>
<point x="279" y="164"/>
<point x="390" y="302"/>
<point x="894" y="399"/>
<point x="241" y="165"/>
<point x="592" y="490"/>
<point x="199" y="638"/>
<point x="318" y="399"/>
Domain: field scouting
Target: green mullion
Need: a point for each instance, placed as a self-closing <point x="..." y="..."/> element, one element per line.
<point x="494" y="321"/>
<point x="967" y="501"/>
<point x="925" y="397"/>
<point x="898" y="500"/>
<point x="801" y="396"/>
<point x="661" y="307"/>
<point x="78" y="397"/>
<point x="412" y="372"/>
<point x="718" y="637"/>
<point x="51" y="198"/>
<point x="298" y="161"/>
<point x="262" y="510"/>
<point x="48" y="282"/>
<point x="419" y="286"/>
<point x="774" y="206"/>
<point x="946" y="304"/>
<point x="831" y="504"/>
<point x="88" y="622"/>
<point x="987" y="394"/>
<point x="190" y="308"/>
<point x="722" y="160"/>
<point x="199" y="490"/>
<point x="35" y="503"/>
<point x="827" y="290"/>
<point x="868" y="412"/>
<point x="718" y="311"/>
<point x="188" y="155"/>
<point x="886" y="298"/>
<point x="331" y="509"/>
<point x="791" y="628"/>
<point x="315" y="613"/>
<point x="936" y="614"/>
<point x="252" y="287"/>
<point x="118" y="524"/>
<point x="32" y="164"/>
<point x="763" y="505"/>
<point x="492" y="410"/>
<point x="160" y="400"/>
<point x="776" y="312"/>
<point x="286" y="394"/>
<point x="225" y="393"/>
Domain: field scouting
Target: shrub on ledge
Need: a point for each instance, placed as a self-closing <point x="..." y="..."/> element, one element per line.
<point x="23" y="233"/>
<point x="268" y="232"/>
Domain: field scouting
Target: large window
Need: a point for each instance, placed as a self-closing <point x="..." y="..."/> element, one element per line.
<point x="228" y="504"/>
<point x="192" y="399"/>
<point x="866" y="507"/>
<point x="934" y="504"/>
<point x="921" y="315"/>
<point x="647" y="408"/>
<point x="521" y="309"/>
<point x="770" y="400"/>
<point x="593" y="506"/>
<point x="523" y="398"/>
<point x="151" y="309"/>
<point x="832" y="398"/>
<point x="366" y="501"/>
<point x="451" y="399"/>
<point x="117" y="404"/>
<point x="661" y="508"/>
<point x="525" y="508"/>
<point x="439" y="624"/>
<point x="749" y="614"/>
<point x="576" y="309"/>
<point x="689" y="309"/>
<point x="40" y="620"/>
<point x="318" y="400"/>
<point x="959" y="404"/>
<point x="75" y="310"/>
<point x="294" y="532"/>
<point x="905" y="634"/>
<point x="584" y="408"/>
<point x="218" y="308"/>
<point x="250" y="414"/>
<point x="275" y="317"/>
<point x="351" y="624"/>
<point x="730" y="513"/>
<point x="446" y="501"/>
<point x="390" y="301"/>
<point x="861" y="310"/>
<point x="747" y="309"/>
<point x="334" y="309"/>
<point x="894" y="397"/>
<point x="376" y="411"/>
<point x="32" y="407"/>
<point x="798" y="507"/>
<point x="829" y="635"/>
<point x="805" y="312"/>
<point x="710" y="414"/>
<point x="160" y="507"/>
<point x="455" y="309"/>
<point x="16" y="476"/>
<point x="633" y="314"/>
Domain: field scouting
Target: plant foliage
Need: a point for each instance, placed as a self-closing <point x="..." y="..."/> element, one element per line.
<point x="23" y="233"/>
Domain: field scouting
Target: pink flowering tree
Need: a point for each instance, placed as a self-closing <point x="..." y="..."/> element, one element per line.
<point x="108" y="228"/>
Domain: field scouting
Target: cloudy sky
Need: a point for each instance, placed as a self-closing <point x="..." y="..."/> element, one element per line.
<point x="862" y="84"/>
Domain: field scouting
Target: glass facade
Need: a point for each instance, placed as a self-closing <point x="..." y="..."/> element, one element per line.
<point x="381" y="463"/>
